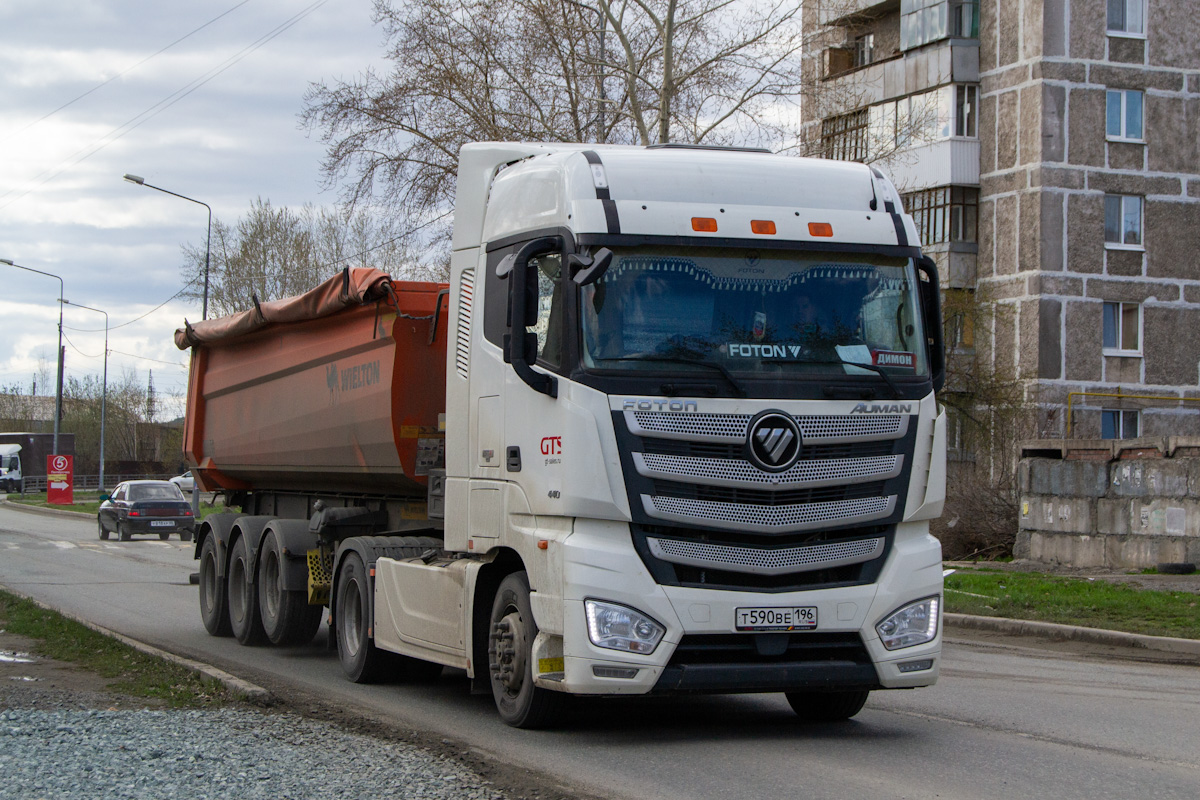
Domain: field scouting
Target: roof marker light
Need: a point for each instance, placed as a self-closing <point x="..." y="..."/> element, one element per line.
<point x="764" y="226"/>
<point x="820" y="229"/>
<point x="599" y="177"/>
<point x="704" y="224"/>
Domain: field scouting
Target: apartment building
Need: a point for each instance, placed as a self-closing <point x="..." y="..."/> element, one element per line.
<point x="1049" y="151"/>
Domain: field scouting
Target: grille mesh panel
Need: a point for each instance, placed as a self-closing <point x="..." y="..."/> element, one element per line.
<point x="768" y="518"/>
<point x="767" y="562"/>
<point x="734" y="426"/>
<point x="743" y="472"/>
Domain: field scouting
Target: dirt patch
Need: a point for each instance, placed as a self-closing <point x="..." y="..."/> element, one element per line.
<point x="32" y="681"/>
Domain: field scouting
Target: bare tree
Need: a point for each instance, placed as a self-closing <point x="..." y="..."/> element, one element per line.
<point x="274" y="252"/>
<point x="621" y="71"/>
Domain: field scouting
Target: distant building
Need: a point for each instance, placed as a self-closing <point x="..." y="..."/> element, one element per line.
<point x="1049" y="152"/>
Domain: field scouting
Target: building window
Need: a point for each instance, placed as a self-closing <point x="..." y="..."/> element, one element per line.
<point x="844" y="137"/>
<point x="1116" y="423"/>
<point x="945" y="214"/>
<point x="1122" y="329"/>
<point x="958" y="318"/>
<point x="1123" y="220"/>
<point x="1127" y="16"/>
<point x="965" y="104"/>
<point x="1124" y="114"/>
<point x="964" y="19"/>
<point x="864" y="50"/>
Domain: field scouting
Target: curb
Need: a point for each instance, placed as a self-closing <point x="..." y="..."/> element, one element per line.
<point x="53" y="512"/>
<point x="250" y="691"/>
<point x="1061" y="633"/>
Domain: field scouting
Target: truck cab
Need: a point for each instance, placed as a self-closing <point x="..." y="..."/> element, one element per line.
<point x="692" y="392"/>
<point x="10" y="468"/>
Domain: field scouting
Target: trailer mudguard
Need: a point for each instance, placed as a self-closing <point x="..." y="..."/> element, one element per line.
<point x="295" y="539"/>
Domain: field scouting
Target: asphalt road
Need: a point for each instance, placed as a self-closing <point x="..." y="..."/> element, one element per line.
<point x="1005" y="721"/>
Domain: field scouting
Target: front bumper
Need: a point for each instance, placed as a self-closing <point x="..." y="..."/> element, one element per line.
<point x="703" y="653"/>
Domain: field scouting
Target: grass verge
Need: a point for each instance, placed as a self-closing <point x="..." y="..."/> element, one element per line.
<point x="89" y="503"/>
<point x="133" y="673"/>
<point x="1072" y="601"/>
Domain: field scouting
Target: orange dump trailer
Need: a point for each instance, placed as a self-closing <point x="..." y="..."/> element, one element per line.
<point x="339" y="390"/>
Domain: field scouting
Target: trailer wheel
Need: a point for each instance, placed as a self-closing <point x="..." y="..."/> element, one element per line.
<point x="510" y="659"/>
<point x="827" y="706"/>
<point x="287" y="617"/>
<point x="103" y="530"/>
<point x="244" y="616"/>
<point x="361" y="660"/>
<point x="214" y="609"/>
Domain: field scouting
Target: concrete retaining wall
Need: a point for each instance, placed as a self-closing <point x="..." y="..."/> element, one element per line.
<point x="1118" y="504"/>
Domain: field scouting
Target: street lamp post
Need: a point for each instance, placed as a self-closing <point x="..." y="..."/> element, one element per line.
<point x="140" y="181"/>
<point x="58" y="394"/>
<point x="104" y="393"/>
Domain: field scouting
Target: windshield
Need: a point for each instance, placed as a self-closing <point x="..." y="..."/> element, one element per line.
<point x="750" y="312"/>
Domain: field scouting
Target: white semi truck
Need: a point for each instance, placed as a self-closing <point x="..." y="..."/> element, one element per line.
<point x="670" y="428"/>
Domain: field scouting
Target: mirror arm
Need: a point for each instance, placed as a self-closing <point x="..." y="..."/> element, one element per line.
<point x="931" y="304"/>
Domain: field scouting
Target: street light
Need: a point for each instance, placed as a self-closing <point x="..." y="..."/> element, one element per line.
<point x="140" y="181"/>
<point x="58" y="395"/>
<point x="104" y="394"/>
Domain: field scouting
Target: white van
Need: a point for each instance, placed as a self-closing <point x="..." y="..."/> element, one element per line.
<point x="10" y="468"/>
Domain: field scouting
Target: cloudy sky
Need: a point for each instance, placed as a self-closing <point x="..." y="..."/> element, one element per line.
<point x="200" y="98"/>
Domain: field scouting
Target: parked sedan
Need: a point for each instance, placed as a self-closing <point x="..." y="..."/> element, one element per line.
<point x="185" y="482"/>
<point x="146" y="507"/>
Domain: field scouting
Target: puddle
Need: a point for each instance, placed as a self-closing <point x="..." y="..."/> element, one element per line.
<point x="12" y="657"/>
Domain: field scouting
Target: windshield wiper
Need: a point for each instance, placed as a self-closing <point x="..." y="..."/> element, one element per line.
<point x="873" y="367"/>
<point x="694" y="362"/>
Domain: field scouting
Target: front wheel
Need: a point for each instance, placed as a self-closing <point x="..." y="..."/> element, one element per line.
<point x="510" y="659"/>
<point x="361" y="660"/>
<point x="244" y="616"/>
<point x="103" y="530"/>
<point x="827" y="706"/>
<point x="287" y="617"/>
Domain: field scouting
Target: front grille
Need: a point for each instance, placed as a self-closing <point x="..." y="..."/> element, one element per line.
<point x="734" y="426"/>
<point x="682" y="447"/>
<point x="766" y="561"/>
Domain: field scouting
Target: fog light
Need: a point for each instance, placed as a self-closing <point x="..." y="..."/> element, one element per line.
<point x="615" y="672"/>
<point x="916" y="623"/>
<point x="619" y="627"/>
<point x="917" y="666"/>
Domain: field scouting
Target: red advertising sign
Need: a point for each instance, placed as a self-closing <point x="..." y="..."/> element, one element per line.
<point x="60" y="480"/>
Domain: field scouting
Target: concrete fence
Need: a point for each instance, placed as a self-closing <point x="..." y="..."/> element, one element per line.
<point x="1127" y="503"/>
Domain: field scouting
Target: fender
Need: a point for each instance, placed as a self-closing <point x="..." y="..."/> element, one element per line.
<point x="296" y="540"/>
<point x="220" y="526"/>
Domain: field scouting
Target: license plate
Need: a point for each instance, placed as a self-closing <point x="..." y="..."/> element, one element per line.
<point x="793" y="618"/>
<point x="162" y="523"/>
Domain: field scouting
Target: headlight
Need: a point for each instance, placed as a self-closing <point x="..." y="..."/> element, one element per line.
<point x="916" y="623"/>
<point x="621" y="628"/>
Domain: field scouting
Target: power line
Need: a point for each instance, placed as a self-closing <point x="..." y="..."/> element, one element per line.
<point x="123" y="73"/>
<point x="88" y="151"/>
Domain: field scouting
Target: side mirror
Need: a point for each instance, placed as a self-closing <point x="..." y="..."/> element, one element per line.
<point x="105" y="497"/>
<point x="931" y="304"/>
<point x="587" y="270"/>
<point x="522" y="298"/>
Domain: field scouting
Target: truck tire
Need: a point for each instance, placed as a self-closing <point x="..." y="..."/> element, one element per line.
<point x="827" y="706"/>
<point x="103" y="530"/>
<point x="287" y="617"/>
<point x="361" y="660"/>
<point x="244" y="616"/>
<point x="511" y="632"/>
<point x="214" y="609"/>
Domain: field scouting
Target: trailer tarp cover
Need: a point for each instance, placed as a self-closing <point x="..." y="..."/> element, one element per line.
<point x="352" y="287"/>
